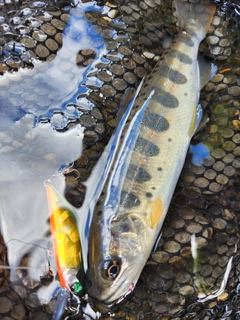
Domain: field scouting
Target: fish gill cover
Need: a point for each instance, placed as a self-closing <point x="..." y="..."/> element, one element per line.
<point x="206" y="201"/>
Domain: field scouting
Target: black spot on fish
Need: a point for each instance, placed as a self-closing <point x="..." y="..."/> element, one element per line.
<point x="186" y="40"/>
<point x="167" y="99"/>
<point x="139" y="174"/>
<point x="173" y="75"/>
<point x="145" y="85"/>
<point x="184" y="58"/>
<point x="129" y="200"/>
<point x="149" y="194"/>
<point x="147" y="147"/>
<point x="150" y="77"/>
<point x="99" y="213"/>
<point x="186" y="94"/>
<point x="153" y="188"/>
<point x="159" y="169"/>
<point x="156" y="122"/>
<point x="169" y="139"/>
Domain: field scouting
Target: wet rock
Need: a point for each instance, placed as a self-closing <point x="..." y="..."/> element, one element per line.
<point x="33" y="301"/>
<point x="20" y="290"/>
<point x="18" y="312"/>
<point x="5" y="305"/>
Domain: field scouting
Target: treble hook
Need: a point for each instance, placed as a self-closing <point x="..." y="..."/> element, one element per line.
<point x="74" y="309"/>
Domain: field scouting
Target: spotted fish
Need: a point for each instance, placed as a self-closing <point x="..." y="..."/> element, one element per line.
<point x="148" y="158"/>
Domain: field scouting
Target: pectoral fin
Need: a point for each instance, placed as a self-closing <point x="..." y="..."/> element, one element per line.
<point x="206" y="71"/>
<point x="196" y="120"/>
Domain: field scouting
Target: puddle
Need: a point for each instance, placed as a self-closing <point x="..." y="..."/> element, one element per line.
<point x="34" y="103"/>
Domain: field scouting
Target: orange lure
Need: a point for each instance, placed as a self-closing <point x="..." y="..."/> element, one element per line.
<point x="66" y="240"/>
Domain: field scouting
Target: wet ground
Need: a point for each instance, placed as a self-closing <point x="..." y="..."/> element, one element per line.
<point x="110" y="47"/>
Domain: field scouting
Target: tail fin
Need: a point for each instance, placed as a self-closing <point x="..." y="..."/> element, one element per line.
<point x="195" y="18"/>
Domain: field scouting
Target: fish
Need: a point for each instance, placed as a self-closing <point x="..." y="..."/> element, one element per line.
<point x="67" y="250"/>
<point x="148" y="159"/>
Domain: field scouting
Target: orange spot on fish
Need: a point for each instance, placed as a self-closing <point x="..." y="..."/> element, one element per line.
<point x="142" y="161"/>
<point x="144" y="147"/>
<point x="183" y="79"/>
<point x="169" y="120"/>
<point x="156" y="212"/>
<point x="172" y="87"/>
<point x="162" y="80"/>
<point x="157" y="120"/>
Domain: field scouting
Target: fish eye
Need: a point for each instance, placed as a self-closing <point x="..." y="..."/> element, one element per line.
<point x="111" y="268"/>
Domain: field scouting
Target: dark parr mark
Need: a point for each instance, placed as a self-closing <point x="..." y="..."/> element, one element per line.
<point x="166" y="99"/>
<point x="139" y="174"/>
<point x="149" y="194"/>
<point x="129" y="200"/>
<point x="182" y="57"/>
<point x="156" y="122"/>
<point x="147" y="147"/>
<point x="173" y="75"/>
<point x="186" y="40"/>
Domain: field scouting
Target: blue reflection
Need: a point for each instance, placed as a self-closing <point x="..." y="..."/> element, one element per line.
<point x="199" y="153"/>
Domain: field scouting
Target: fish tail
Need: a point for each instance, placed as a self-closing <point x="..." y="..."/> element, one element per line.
<point x="195" y="18"/>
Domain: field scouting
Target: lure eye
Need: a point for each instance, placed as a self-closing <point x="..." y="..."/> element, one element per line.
<point x="76" y="287"/>
<point x="111" y="269"/>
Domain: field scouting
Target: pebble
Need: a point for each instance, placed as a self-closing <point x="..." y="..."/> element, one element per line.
<point x="5" y="305"/>
<point x="20" y="290"/>
<point x="48" y="29"/>
<point x="18" y="312"/>
<point x="33" y="301"/>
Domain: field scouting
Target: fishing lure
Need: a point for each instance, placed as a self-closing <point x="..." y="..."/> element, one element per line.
<point x="67" y="248"/>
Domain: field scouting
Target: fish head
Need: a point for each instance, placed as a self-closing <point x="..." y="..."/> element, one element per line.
<point x="115" y="266"/>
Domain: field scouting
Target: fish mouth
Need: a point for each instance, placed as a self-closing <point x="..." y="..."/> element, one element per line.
<point x="110" y="299"/>
<point x="131" y="288"/>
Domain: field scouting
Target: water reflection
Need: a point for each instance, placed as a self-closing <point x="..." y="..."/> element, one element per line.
<point x="39" y="154"/>
<point x="52" y="85"/>
<point x="32" y="151"/>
